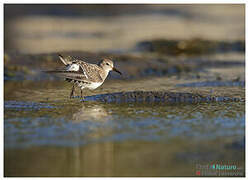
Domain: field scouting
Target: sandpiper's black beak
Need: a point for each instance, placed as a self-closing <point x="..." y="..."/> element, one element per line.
<point x="116" y="70"/>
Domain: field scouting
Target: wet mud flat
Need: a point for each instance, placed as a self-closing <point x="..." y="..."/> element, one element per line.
<point x="153" y="58"/>
<point x="159" y="96"/>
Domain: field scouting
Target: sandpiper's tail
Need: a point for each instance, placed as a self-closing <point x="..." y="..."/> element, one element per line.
<point x="72" y="75"/>
<point x="64" y="60"/>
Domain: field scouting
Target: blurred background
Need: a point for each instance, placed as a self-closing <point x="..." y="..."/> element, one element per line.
<point x="195" y="54"/>
<point x="41" y="28"/>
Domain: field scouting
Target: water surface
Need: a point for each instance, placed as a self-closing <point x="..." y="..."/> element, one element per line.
<point x="98" y="139"/>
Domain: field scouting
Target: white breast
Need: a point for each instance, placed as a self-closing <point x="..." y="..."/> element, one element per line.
<point x="94" y="85"/>
<point x="73" y="67"/>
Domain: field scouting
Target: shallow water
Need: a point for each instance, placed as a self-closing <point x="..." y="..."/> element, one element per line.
<point x="98" y="139"/>
<point x="48" y="134"/>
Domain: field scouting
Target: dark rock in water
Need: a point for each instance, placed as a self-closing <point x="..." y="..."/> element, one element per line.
<point x="156" y="96"/>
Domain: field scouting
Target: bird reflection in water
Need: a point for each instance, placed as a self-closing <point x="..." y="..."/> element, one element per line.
<point x="92" y="113"/>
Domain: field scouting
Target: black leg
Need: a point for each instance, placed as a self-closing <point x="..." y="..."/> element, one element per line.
<point x="72" y="91"/>
<point x="82" y="94"/>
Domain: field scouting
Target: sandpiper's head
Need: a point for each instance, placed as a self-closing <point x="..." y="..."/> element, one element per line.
<point x="108" y="65"/>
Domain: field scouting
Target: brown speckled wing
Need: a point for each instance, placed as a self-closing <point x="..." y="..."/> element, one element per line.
<point x="91" y="71"/>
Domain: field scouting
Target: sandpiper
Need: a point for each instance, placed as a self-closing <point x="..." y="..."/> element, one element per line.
<point x="83" y="74"/>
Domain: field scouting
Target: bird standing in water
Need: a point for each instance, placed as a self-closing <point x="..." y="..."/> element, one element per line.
<point x="83" y="74"/>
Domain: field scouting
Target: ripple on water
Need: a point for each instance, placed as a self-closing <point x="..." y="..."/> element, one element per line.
<point x="22" y="105"/>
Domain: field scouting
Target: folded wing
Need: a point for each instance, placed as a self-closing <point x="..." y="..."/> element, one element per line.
<point x="72" y="75"/>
